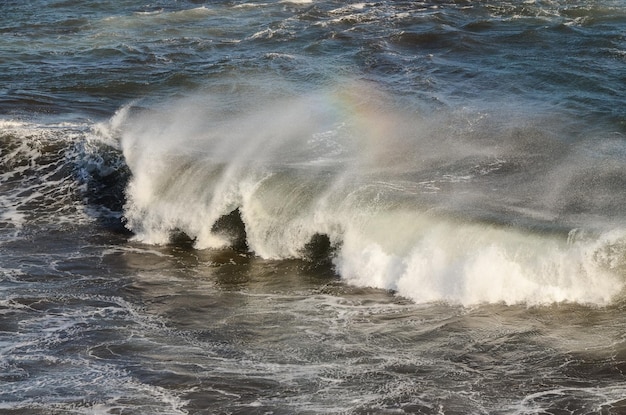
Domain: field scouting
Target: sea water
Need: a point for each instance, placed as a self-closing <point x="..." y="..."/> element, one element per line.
<point x="312" y="207"/>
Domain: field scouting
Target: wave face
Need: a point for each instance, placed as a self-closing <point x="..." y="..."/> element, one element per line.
<point x="463" y="207"/>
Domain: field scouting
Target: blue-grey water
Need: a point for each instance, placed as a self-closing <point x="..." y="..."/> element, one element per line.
<point x="313" y="207"/>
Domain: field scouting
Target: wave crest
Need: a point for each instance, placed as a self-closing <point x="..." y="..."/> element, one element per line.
<point x="434" y="211"/>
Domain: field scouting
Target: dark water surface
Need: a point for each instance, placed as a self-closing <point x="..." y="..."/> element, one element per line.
<point x="312" y="207"/>
<point x="98" y="325"/>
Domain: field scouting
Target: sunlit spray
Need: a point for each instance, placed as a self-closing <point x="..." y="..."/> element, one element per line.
<point x="441" y="207"/>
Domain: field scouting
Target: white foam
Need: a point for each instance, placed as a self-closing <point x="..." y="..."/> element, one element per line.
<point x="187" y="173"/>
<point x="191" y="165"/>
<point x="595" y="399"/>
<point x="439" y="260"/>
<point x="47" y="168"/>
<point x="78" y="382"/>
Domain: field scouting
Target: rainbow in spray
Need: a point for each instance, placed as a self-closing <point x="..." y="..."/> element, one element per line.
<point x="424" y="206"/>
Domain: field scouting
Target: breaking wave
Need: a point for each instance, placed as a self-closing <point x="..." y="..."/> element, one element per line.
<point x="460" y="207"/>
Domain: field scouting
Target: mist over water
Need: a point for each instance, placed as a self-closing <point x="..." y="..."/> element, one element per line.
<point x="466" y="206"/>
<point x="312" y="207"/>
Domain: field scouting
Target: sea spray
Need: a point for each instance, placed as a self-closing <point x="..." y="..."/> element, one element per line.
<point x="449" y="207"/>
<point x="190" y="166"/>
<point x="428" y="258"/>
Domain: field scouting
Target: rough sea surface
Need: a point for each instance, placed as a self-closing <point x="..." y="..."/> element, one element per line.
<point x="313" y="207"/>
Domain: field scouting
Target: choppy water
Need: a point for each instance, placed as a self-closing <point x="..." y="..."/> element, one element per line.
<point x="312" y="207"/>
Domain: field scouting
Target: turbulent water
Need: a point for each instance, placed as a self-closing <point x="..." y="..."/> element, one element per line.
<point x="312" y="207"/>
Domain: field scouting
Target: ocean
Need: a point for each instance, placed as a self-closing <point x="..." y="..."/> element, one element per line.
<point x="312" y="207"/>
